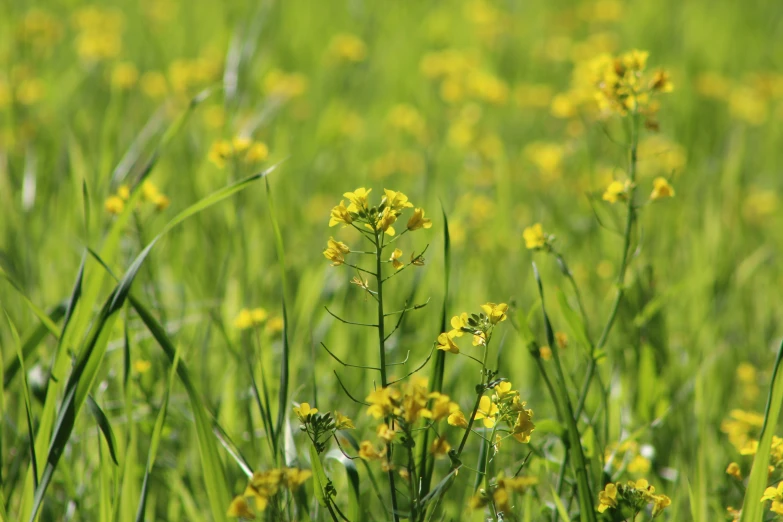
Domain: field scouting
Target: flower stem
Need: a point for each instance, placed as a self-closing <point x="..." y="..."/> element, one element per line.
<point x="382" y="355"/>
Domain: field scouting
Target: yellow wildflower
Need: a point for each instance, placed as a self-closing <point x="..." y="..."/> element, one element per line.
<point x="114" y="205"/>
<point x="775" y="494"/>
<point x="382" y="401"/>
<point x="446" y="342"/>
<point x="293" y="477"/>
<point x="546" y="353"/>
<point x="340" y="214"/>
<point x="607" y="498"/>
<point x="458" y="419"/>
<point x="661" y="189"/>
<point x="239" y="509"/>
<point x="347" y="47"/>
<point x="368" y="452"/>
<point x="395" y="259"/>
<point x="257" y="152"/>
<point x="142" y="366"/>
<point x="660" y="502"/>
<point x="440" y="447"/>
<point x="524" y="426"/>
<point x="396" y="200"/>
<point x="417" y="220"/>
<point x="495" y="312"/>
<point x="219" y="152"/>
<point x="487" y="411"/>
<point x="534" y="237"/>
<point x="384" y="432"/>
<point x="123" y="191"/>
<point x="386" y="220"/>
<point x="341" y="422"/>
<point x="734" y="470"/>
<point x="617" y="190"/>
<point x="303" y="411"/>
<point x="258" y="315"/>
<point x="240" y="143"/>
<point x="358" y="199"/>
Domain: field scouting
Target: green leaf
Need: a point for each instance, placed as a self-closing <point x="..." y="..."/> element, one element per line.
<point x="352" y="474"/>
<point x="319" y="477"/>
<point x="575" y="322"/>
<point x="561" y="509"/>
<point x="105" y="427"/>
<point x="752" y="507"/>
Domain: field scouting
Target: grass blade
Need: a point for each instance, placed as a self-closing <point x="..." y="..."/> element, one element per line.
<point x="105" y="427"/>
<point x="752" y="507"/>
<point x="31" y="342"/>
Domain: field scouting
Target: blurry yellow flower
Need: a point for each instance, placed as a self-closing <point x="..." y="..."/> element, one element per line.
<point x="534" y="237"/>
<point x="240" y="144"/>
<point x="406" y="118"/>
<point x="417" y="220"/>
<point x="30" y="91"/>
<point x="161" y="202"/>
<point x="386" y="220"/>
<point x="446" y="342"/>
<point x="142" y="366"/>
<point x="440" y="447"/>
<point x="149" y="191"/>
<point x="304" y="411"/>
<point x="219" y="152"/>
<point x="284" y="85"/>
<point x="523" y="427"/>
<point x="661" y="82"/>
<point x="385" y="433"/>
<point x="341" y="422"/>
<point x="340" y="214"/>
<point x="395" y="259"/>
<point x="546" y="353"/>
<point x="244" y="319"/>
<point x="154" y="85"/>
<point x="368" y="452"/>
<point x="495" y="312"/>
<point x="258" y="315"/>
<point x="746" y="104"/>
<point x="114" y="205"/>
<point x="396" y="200"/>
<point x="639" y="464"/>
<point x="124" y="76"/>
<point x="275" y="325"/>
<point x="239" y="508"/>
<point x="660" y="502"/>
<point x="458" y="419"/>
<point x="123" y="191"/>
<point x="607" y="498"/>
<point x="293" y="477"/>
<point x="382" y="401"/>
<point x="661" y="189"/>
<point x="487" y="411"/>
<point x="257" y="152"/>
<point x="734" y="470"/>
<point x="617" y="190"/>
<point x="347" y="47"/>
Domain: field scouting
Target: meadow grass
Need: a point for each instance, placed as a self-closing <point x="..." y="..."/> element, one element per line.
<point x="167" y="176"/>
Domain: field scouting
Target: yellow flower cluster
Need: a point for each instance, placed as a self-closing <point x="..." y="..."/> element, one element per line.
<point x="336" y="251"/>
<point x="248" y="318"/>
<point x="240" y="148"/>
<point x="40" y="29"/>
<point x="535" y="237"/>
<point x="379" y="219"/>
<point x="115" y="203"/>
<point x="775" y="494"/>
<point x="630" y="454"/>
<point x="634" y="495"/>
<point x="345" y="47"/>
<point x="461" y="77"/>
<point x="263" y="486"/>
<point x="99" y="33"/>
<point x="187" y="75"/>
<point x="284" y="85"/>
<point x="479" y="325"/>
<point x="619" y="190"/>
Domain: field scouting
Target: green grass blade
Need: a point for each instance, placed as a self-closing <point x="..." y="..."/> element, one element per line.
<point x="40" y="314"/>
<point x="320" y="480"/>
<point x="352" y="474"/>
<point x="31" y="342"/>
<point x="105" y="426"/>
<point x="752" y="507"/>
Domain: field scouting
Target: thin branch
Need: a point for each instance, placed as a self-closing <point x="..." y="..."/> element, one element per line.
<point x="359" y="269"/>
<point x="357" y="401"/>
<point x="416" y="256"/>
<point x="414" y="307"/>
<point x="347" y="364"/>
<point x="469" y="357"/>
<point x="349" y="322"/>
<point x="417" y="369"/>
<point x="399" y="322"/>
<point x="401" y="362"/>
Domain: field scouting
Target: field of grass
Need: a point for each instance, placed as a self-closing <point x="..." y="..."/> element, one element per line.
<point x="168" y="172"/>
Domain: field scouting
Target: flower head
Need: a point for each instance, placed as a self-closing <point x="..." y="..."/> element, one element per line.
<point x="617" y="190"/>
<point x="395" y="259"/>
<point x="417" y="220"/>
<point x="487" y="411"/>
<point x="304" y="411"/>
<point x="661" y="189"/>
<point x="446" y="342"/>
<point x="607" y="498"/>
<point x="535" y="237"/>
<point x="495" y="312"/>
<point x="358" y="199"/>
<point x="340" y="214"/>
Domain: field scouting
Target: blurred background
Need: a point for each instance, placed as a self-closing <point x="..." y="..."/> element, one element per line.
<point x="472" y="109"/>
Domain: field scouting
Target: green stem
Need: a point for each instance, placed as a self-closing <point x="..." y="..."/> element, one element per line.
<point x="482" y="388"/>
<point x="382" y="355"/>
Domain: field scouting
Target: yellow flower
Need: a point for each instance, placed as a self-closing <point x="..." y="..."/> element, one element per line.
<point x="154" y="85"/>
<point x="440" y="447"/>
<point x="358" y="199"/>
<point x="661" y="82"/>
<point x="417" y="220"/>
<point x="347" y="47"/>
<point x="240" y="143"/>
<point x="386" y="220"/>
<point x="487" y="411"/>
<point x="775" y="494"/>
<point x="616" y="190"/>
<point x="335" y="256"/>
<point x="239" y="508"/>
<point x="219" y="152"/>
<point x="341" y="422"/>
<point x="546" y="353"/>
<point x="534" y="237"/>
<point x="142" y="366"/>
<point x="458" y="419"/>
<point x="257" y="152"/>
<point x="395" y="259"/>
<point x="124" y="76"/>
<point x="734" y="470"/>
<point x="382" y="401"/>
<point x="396" y="200"/>
<point x="446" y="342"/>
<point x="384" y="432"/>
<point x="458" y="322"/>
<point x="123" y="191"/>
<point x="495" y="312"/>
<point x="161" y="202"/>
<point x="338" y="246"/>
<point x="340" y="214"/>
<point x="244" y="319"/>
<point x="661" y="189"/>
<point x="294" y="477"/>
<point x="607" y="498"/>
<point x="258" y="316"/>
<point x="524" y="426"/>
<point x="304" y="411"/>
<point x="114" y="205"/>
<point x="442" y="406"/>
<point x="368" y="452"/>
<point x="660" y="502"/>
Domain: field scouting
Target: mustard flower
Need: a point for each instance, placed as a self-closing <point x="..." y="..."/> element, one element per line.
<point x="358" y="199"/>
<point x="395" y="259"/>
<point x="240" y="509"/>
<point x="219" y="152"/>
<point x="733" y="469"/>
<point x="440" y="447"/>
<point x="607" y="498"/>
<point x="340" y="214"/>
<point x="347" y="47"/>
<point x="524" y="426"/>
<point x="417" y="220"/>
<point x="341" y="422"/>
<point x="382" y="401"/>
<point x="775" y="494"/>
<point x="294" y="477"/>
<point x="368" y="452"/>
<point x="396" y="200"/>
<point x="446" y="342"/>
<point x="617" y="190"/>
<point x="534" y="237"/>
<point x="385" y="433"/>
<point x="495" y="312"/>
<point x="114" y="205"/>
<point x="487" y="411"/>
<point x="458" y="419"/>
<point x="304" y="411"/>
<point x="257" y="152"/>
<point x="458" y="322"/>
<point x="661" y="189"/>
<point x="386" y="220"/>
